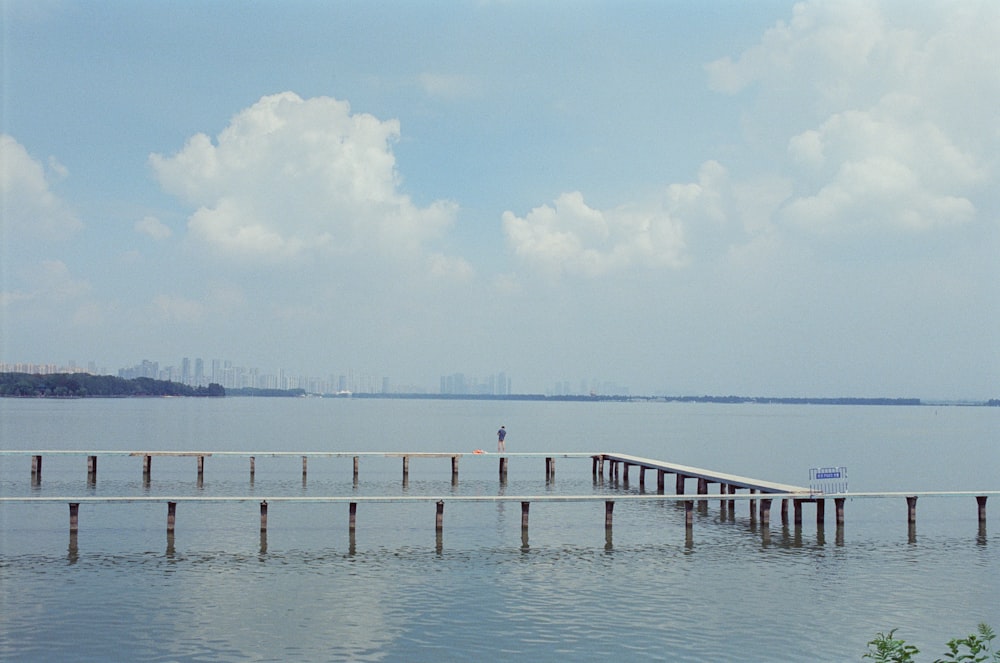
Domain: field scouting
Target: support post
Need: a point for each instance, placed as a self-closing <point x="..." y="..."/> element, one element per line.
<point x="753" y="505"/>
<point x="594" y="462"/>
<point x="797" y="507"/>
<point x="524" y="514"/>
<point x="688" y="513"/>
<point x="91" y="468"/>
<point x="625" y="469"/>
<point x="659" y="481"/>
<point x="352" y="516"/>
<point x="253" y="462"/>
<point x="454" y="468"/>
<point x="74" y="516"/>
<point x="981" y="501"/>
<point x="171" y="515"/>
<point x="702" y="486"/>
<point x="820" y="511"/>
<point x="642" y="476"/>
<point x="263" y="516"/>
<point x="838" y="503"/>
<point x="503" y="467"/>
<point x="784" y="511"/>
<point x="548" y="468"/>
<point x="439" y="519"/>
<point x="36" y="468"/>
<point x="911" y="509"/>
<point x="201" y="467"/>
<point x="406" y="468"/>
<point x="147" y="467"/>
<point x="679" y="484"/>
<point x="305" y="460"/>
<point x="355" y="469"/>
<point x="609" y="509"/>
<point x="765" y="512"/>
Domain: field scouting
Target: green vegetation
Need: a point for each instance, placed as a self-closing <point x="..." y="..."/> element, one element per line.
<point x="974" y="648"/>
<point x="84" y="385"/>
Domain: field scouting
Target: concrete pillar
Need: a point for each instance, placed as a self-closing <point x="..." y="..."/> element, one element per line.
<point x="797" y="508"/>
<point x="253" y="468"/>
<point x="406" y="467"/>
<point x="263" y="516"/>
<point x="838" y="503"/>
<point x="680" y="484"/>
<point x="981" y="501"/>
<point x="911" y="509"/>
<point x="688" y="513"/>
<point x="524" y="514"/>
<point x="503" y="467"/>
<point x="609" y="509"/>
<point x="305" y="462"/>
<point x="355" y="469"/>
<point x="765" y="512"/>
<point x="702" y="486"/>
<point x="171" y="515"/>
<point x="642" y="476"/>
<point x="820" y="511"/>
<point x="36" y="468"/>
<point x="659" y="481"/>
<point x="439" y="519"/>
<point x="454" y="468"/>
<point x="352" y="516"/>
<point x="147" y="466"/>
<point x="625" y="469"/>
<point x="91" y="468"/>
<point x="74" y="516"/>
<point x="201" y="467"/>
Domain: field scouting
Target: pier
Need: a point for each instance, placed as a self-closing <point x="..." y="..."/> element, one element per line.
<point x="760" y="494"/>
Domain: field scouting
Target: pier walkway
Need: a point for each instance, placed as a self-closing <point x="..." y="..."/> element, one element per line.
<point x="760" y="496"/>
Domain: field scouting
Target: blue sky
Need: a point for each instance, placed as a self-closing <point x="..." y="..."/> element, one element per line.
<point x="766" y="198"/>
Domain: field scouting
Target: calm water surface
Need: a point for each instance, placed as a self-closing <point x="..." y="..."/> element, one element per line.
<point x="219" y="590"/>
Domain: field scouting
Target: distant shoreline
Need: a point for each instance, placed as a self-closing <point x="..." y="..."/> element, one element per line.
<point x="84" y="385"/>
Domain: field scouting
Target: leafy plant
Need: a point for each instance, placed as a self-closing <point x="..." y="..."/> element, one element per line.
<point x="974" y="648"/>
<point x="887" y="649"/>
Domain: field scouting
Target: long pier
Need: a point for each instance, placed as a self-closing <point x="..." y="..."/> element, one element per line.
<point x="760" y="496"/>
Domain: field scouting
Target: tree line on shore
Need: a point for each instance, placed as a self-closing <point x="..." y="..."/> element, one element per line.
<point x="85" y="385"/>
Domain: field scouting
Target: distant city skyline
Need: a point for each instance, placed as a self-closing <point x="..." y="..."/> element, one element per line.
<point x="196" y="371"/>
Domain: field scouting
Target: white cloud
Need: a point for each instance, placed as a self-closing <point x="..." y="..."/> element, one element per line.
<point x="574" y="239"/>
<point x="292" y="178"/>
<point x="30" y="209"/>
<point x="153" y="227"/>
<point x="889" y="121"/>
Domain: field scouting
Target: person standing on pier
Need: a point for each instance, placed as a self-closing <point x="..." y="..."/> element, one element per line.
<point x="501" y="436"/>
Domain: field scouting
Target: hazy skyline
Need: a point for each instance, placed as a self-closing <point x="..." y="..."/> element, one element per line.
<point x="767" y="198"/>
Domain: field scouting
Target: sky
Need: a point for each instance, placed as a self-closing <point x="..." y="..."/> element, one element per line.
<point x="681" y="197"/>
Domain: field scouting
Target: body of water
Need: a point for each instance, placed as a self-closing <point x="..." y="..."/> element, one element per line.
<point x="727" y="590"/>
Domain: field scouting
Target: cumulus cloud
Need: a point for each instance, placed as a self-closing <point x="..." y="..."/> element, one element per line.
<point x="153" y="227"/>
<point x="292" y="178"/>
<point x="571" y="238"/>
<point x="893" y="118"/>
<point x="30" y="209"/>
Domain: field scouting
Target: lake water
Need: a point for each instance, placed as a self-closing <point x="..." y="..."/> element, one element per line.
<point x="219" y="590"/>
